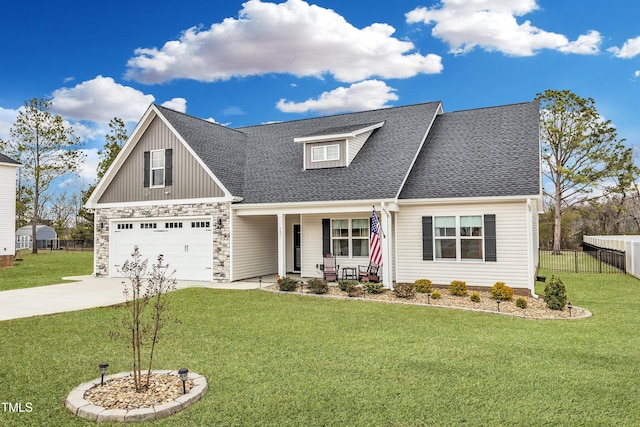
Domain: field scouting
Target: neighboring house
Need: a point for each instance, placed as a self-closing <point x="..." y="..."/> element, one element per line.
<point x="457" y="194"/>
<point x="46" y="237"/>
<point x="8" y="168"/>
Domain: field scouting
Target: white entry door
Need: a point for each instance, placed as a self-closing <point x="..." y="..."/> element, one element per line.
<point x="186" y="245"/>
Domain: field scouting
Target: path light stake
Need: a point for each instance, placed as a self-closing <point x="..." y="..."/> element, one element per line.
<point x="184" y="375"/>
<point x="428" y="296"/>
<point x="498" y="301"/>
<point x="103" y="370"/>
<point x="260" y="280"/>
<point x="569" y="306"/>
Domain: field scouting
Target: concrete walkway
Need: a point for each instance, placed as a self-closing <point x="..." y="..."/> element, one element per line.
<point x="87" y="292"/>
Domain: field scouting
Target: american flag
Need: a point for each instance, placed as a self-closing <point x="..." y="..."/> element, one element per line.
<point x="375" y="252"/>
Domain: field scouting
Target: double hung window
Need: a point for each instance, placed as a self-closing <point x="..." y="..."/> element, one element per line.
<point x="458" y="237"/>
<point x="325" y="153"/>
<point x="157" y="168"/>
<point x="350" y="237"/>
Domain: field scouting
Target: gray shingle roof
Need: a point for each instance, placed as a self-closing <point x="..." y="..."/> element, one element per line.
<point x="6" y="159"/>
<point x="476" y="153"/>
<point x="483" y="152"/>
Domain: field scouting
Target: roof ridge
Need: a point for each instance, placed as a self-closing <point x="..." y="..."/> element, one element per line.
<point x="492" y="107"/>
<point x="197" y="118"/>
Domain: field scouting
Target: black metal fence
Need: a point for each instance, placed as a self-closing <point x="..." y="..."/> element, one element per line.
<point x="589" y="260"/>
<point x="75" y="245"/>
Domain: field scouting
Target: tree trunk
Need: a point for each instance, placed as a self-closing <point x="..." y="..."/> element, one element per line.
<point x="557" y="230"/>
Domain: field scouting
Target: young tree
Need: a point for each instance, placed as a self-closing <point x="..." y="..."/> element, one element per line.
<point x="47" y="149"/>
<point x="580" y="150"/>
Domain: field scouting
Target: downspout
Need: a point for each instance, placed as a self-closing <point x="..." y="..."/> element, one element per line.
<point x="386" y="252"/>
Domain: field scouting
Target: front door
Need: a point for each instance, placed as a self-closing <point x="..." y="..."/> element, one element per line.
<point x="296" y="248"/>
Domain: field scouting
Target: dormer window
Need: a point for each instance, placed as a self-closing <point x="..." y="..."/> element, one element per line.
<point x="325" y="153"/>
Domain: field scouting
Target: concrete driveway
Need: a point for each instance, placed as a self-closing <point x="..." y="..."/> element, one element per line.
<point x="87" y="292"/>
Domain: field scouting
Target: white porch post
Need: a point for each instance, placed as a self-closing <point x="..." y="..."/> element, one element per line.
<point x="385" y="223"/>
<point x="282" y="240"/>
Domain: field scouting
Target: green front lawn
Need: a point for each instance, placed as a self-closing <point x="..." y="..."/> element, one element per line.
<point x="45" y="268"/>
<point x="274" y="360"/>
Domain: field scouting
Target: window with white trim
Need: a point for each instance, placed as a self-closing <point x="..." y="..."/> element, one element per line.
<point x="350" y="237"/>
<point x="325" y="153"/>
<point x="157" y="168"/>
<point x="458" y="237"/>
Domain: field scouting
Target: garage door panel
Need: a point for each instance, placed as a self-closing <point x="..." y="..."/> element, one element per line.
<point x="187" y="250"/>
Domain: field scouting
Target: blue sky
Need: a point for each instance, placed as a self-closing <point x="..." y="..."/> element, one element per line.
<point x="243" y="63"/>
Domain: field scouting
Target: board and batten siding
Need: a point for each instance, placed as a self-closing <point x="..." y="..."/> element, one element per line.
<point x="190" y="180"/>
<point x="355" y="144"/>
<point x="7" y="210"/>
<point x="254" y="247"/>
<point x="512" y="242"/>
<point x="342" y="160"/>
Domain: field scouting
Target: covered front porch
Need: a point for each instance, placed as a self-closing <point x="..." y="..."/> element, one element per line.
<point x="285" y="240"/>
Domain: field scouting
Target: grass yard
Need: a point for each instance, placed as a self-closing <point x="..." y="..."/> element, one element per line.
<point x="274" y="360"/>
<point x="45" y="268"/>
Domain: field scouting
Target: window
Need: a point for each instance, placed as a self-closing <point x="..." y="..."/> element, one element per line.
<point x="201" y="224"/>
<point x="148" y="225"/>
<point x="157" y="168"/>
<point x="458" y="238"/>
<point x="172" y="225"/>
<point x="350" y="237"/>
<point x="325" y="153"/>
<point x="124" y="226"/>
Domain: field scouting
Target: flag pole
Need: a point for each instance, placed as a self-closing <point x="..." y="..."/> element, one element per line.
<point x="380" y="224"/>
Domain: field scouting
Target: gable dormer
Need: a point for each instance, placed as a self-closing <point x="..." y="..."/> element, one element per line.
<point x="335" y="147"/>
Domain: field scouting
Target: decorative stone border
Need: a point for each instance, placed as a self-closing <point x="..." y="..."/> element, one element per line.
<point x="77" y="404"/>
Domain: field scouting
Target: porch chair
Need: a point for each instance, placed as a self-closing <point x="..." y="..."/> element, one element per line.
<point x="368" y="273"/>
<point x="330" y="269"/>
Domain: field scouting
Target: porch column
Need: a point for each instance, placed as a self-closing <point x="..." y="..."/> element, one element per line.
<point x="385" y="223"/>
<point x="282" y="240"/>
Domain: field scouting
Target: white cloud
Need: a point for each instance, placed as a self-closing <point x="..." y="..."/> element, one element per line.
<point x="629" y="49"/>
<point x="177" y="104"/>
<point x="100" y="100"/>
<point x="366" y="95"/>
<point x="492" y="25"/>
<point x="89" y="167"/>
<point x="291" y="37"/>
<point x="7" y="119"/>
<point x="637" y="73"/>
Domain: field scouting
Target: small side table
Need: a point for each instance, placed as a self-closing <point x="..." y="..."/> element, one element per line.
<point x="349" y="273"/>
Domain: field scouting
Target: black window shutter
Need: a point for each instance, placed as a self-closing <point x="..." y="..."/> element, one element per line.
<point x="147" y="167"/>
<point x="490" y="238"/>
<point x="168" y="166"/>
<point x="326" y="236"/>
<point x="427" y="238"/>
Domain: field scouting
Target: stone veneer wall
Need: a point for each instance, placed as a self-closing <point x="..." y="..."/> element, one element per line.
<point x="6" y="261"/>
<point x="221" y="262"/>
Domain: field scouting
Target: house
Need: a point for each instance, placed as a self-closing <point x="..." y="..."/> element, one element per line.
<point x="8" y="168"/>
<point x="46" y="237"/>
<point x="457" y="194"/>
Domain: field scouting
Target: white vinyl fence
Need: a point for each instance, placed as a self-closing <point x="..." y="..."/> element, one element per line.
<point x="629" y="244"/>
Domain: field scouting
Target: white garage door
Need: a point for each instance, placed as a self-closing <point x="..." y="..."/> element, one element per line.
<point x="185" y="243"/>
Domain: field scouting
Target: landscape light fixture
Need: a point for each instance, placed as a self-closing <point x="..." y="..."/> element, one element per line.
<point x="428" y="296"/>
<point x="498" y="301"/>
<point x="103" y="370"/>
<point x="569" y="306"/>
<point x="219" y="225"/>
<point x="184" y="375"/>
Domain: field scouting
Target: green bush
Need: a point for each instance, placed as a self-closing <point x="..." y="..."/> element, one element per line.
<point x="318" y="286"/>
<point x="502" y="291"/>
<point x="458" y="288"/>
<point x="343" y="284"/>
<point x="353" y="289"/>
<point x="374" y="287"/>
<point x="404" y="290"/>
<point x="422" y="285"/>
<point x="521" y="302"/>
<point x="436" y="294"/>
<point x="555" y="294"/>
<point x="287" y="284"/>
<point x="475" y="297"/>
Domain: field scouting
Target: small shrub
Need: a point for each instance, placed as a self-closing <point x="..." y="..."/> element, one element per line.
<point x="343" y="284"/>
<point x="353" y="289"/>
<point x="521" y="302"/>
<point x="436" y="294"/>
<point x="555" y="294"/>
<point x="287" y="284"/>
<point x="404" y="290"/>
<point x="475" y="297"/>
<point x="374" y="287"/>
<point x="502" y="291"/>
<point x="422" y="285"/>
<point x="318" y="286"/>
<point x="458" y="288"/>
